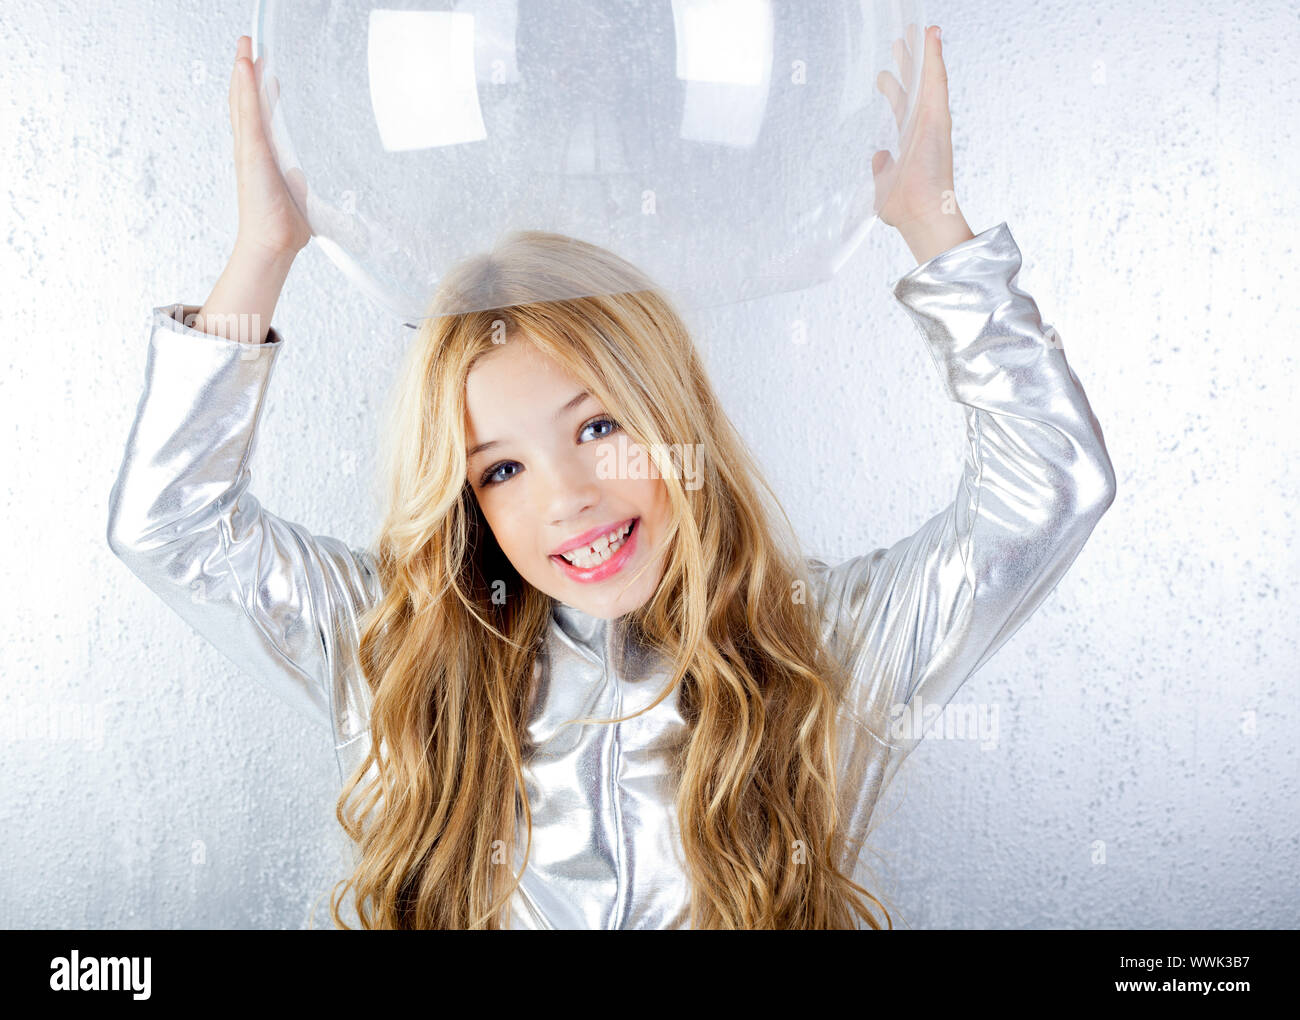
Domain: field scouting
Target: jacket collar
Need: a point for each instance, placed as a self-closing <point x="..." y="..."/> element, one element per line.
<point x="597" y="639"/>
<point x="592" y="632"/>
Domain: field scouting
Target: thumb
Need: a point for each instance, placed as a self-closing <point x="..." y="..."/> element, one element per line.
<point x="881" y="162"/>
<point x="296" y="181"/>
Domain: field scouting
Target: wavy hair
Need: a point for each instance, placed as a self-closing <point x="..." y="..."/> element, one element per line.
<point x="432" y="811"/>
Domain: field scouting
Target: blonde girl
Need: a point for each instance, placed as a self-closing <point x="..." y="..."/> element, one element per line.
<point x="583" y="676"/>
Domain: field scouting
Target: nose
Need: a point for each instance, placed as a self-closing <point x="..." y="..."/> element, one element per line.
<point x="573" y="490"/>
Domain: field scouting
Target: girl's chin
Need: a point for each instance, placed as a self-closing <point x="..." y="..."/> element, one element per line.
<point x="596" y="604"/>
<point x="601" y="609"/>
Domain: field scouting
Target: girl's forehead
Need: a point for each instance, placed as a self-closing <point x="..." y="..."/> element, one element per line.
<point x="514" y="385"/>
<point x="515" y="363"/>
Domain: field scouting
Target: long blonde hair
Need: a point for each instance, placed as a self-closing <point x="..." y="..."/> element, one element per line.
<point x="450" y="667"/>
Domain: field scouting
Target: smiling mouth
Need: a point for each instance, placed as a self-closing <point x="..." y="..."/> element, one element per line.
<point x="585" y="559"/>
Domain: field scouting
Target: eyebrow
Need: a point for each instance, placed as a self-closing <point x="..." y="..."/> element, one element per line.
<point x="577" y="399"/>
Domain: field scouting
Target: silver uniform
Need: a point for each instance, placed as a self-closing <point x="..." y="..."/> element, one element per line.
<point x="917" y="618"/>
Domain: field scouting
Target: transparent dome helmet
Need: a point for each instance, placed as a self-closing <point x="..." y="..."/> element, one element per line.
<point x="723" y="147"/>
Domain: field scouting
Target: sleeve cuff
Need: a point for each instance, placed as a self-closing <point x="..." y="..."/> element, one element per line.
<point x="995" y="243"/>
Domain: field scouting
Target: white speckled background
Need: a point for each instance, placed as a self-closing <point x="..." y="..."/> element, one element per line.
<point x="1146" y="772"/>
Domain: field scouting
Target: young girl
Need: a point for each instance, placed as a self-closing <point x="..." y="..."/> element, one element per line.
<point x="565" y="691"/>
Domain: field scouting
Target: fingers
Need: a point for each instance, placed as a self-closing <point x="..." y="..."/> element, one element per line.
<point x="237" y="81"/>
<point x="936" y="73"/>
<point x="893" y="91"/>
<point x="903" y="58"/>
<point x="934" y="88"/>
<point x="249" y="114"/>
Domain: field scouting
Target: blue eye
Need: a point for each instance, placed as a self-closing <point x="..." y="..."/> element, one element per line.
<point x="489" y="476"/>
<point x="593" y="424"/>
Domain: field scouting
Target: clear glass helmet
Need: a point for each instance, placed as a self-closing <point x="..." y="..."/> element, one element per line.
<point x="721" y="146"/>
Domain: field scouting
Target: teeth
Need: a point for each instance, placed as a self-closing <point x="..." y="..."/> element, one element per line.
<point x="599" y="551"/>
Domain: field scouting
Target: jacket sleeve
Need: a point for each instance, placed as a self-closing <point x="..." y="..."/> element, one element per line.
<point x="278" y="601"/>
<point x="913" y="621"/>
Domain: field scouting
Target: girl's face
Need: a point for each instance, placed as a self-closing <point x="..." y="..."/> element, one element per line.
<point x="556" y="474"/>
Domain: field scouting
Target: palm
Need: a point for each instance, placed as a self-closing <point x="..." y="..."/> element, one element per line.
<point x="279" y="221"/>
<point x="919" y="185"/>
<point x="268" y="213"/>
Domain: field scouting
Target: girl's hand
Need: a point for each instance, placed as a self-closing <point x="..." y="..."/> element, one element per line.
<point x="919" y="197"/>
<point x="269" y="221"/>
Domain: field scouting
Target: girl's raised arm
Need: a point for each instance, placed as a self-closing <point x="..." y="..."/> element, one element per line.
<point x="280" y="602"/>
<point x="915" y="620"/>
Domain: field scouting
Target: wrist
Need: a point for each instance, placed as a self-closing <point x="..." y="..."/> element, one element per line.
<point x="262" y="257"/>
<point x="934" y="235"/>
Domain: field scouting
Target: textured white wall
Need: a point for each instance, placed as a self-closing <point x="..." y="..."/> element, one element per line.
<point x="1143" y="155"/>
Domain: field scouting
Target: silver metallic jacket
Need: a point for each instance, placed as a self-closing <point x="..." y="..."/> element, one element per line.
<point x="912" y="621"/>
